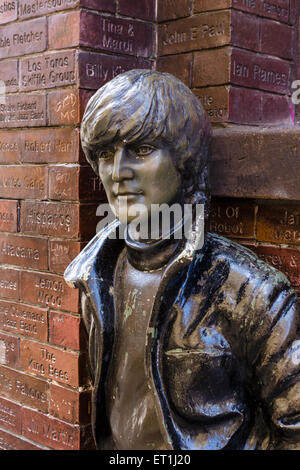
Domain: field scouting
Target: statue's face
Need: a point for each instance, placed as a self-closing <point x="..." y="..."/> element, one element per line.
<point x="138" y="173"/>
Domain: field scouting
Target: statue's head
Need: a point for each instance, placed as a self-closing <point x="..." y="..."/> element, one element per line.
<point x="147" y="136"/>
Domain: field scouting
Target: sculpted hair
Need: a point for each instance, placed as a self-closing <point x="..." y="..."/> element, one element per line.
<point x="146" y="105"/>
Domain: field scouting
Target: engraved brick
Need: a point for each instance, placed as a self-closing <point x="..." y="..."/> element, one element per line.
<point x="287" y="260"/>
<point x="177" y="65"/>
<point x="32" y="8"/>
<point x="48" y="71"/>
<point x="232" y="218"/>
<point x="231" y="104"/>
<point x="65" y="330"/>
<point x="9" y="75"/>
<point x="18" y="250"/>
<point x="21" y="387"/>
<point x="49" y="218"/>
<point x="96" y="69"/>
<point x="70" y="405"/>
<point x="246" y="69"/>
<point x="10" y="415"/>
<point x="9" y="146"/>
<point x="61" y="253"/>
<point x="276" y="9"/>
<point x="8" y="216"/>
<point x="65" y="220"/>
<point x="74" y="183"/>
<point x="102" y="5"/>
<point x="49" y="431"/>
<point x="61" y="23"/>
<point x="215" y="102"/>
<point x="23" y="111"/>
<point x="198" y="32"/>
<point x="66" y="107"/>
<point x="8" y="11"/>
<point x="24" y="319"/>
<point x="48" y="290"/>
<point x="11" y="442"/>
<point x="51" y="363"/>
<point x="9" y="283"/>
<point x="47" y="145"/>
<point x="256" y="163"/>
<point x="23" y="38"/>
<point x="9" y="350"/>
<point x="277" y="39"/>
<point x="250" y="70"/>
<point x="116" y="35"/>
<point x="23" y="181"/>
<point x="278" y="223"/>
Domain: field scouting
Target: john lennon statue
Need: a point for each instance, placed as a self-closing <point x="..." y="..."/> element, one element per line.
<point x="191" y="345"/>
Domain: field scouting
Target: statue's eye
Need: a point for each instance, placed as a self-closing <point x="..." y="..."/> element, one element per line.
<point x="144" y="150"/>
<point x="105" y="154"/>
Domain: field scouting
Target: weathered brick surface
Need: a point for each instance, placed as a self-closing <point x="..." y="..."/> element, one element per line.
<point x="30" y="252"/>
<point x="45" y="145"/>
<point x="74" y="183"/>
<point x="240" y="167"/>
<point x="23" y="181"/>
<point x="10" y="415"/>
<point x="277" y="9"/>
<point x="24" y="319"/>
<point x="65" y="330"/>
<point x="48" y="290"/>
<point x="64" y="29"/>
<point x="9" y="146"/>
<point x="179" y="65"/>
<point x="96" y="69"/>
<point x="23" y="38"/>
<point x="48" y="362"/>
<point x="48" y="71"/>
<point x="64" y="220"/>
<point x="31" y="8"/>
<point x="70" y="405"/>
<point x="9" y="75"/>
<point x="8" y="11"/>
<point x="24" y="389"/>
<point x="116" y="35"/>
<point x="9" y="283"/>
<point x="9" y="350"/>
<point x="49" y="431"/>
<point x="278" y="223"/>
<point x="23" y="111"/>
<point x="286" y="260"/>
<point x="61" y="253"/>
<point x="9" y="441"/>
<point x="232" y="218"/>
<point x="8" y="216"/>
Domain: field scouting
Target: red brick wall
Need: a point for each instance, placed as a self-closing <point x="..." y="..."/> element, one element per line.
<point x="240" y="58"/>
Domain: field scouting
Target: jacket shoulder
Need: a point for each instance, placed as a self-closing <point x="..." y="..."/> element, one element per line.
<point x="243" y="261"/>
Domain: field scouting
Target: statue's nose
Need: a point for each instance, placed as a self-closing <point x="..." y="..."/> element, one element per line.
<point x="121" y="169"/>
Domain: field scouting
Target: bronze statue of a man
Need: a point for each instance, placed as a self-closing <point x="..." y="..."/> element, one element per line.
<point x="192" y="346"/>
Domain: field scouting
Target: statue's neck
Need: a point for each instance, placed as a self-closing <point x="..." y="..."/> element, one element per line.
<point x="153" y="254"/>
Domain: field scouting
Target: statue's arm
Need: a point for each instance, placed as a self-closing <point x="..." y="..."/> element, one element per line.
<point x="88" y="320"/>
<point x="277" y="367"/>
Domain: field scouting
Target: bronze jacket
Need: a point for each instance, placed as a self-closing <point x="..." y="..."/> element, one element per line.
<point x="222" y="353"/>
